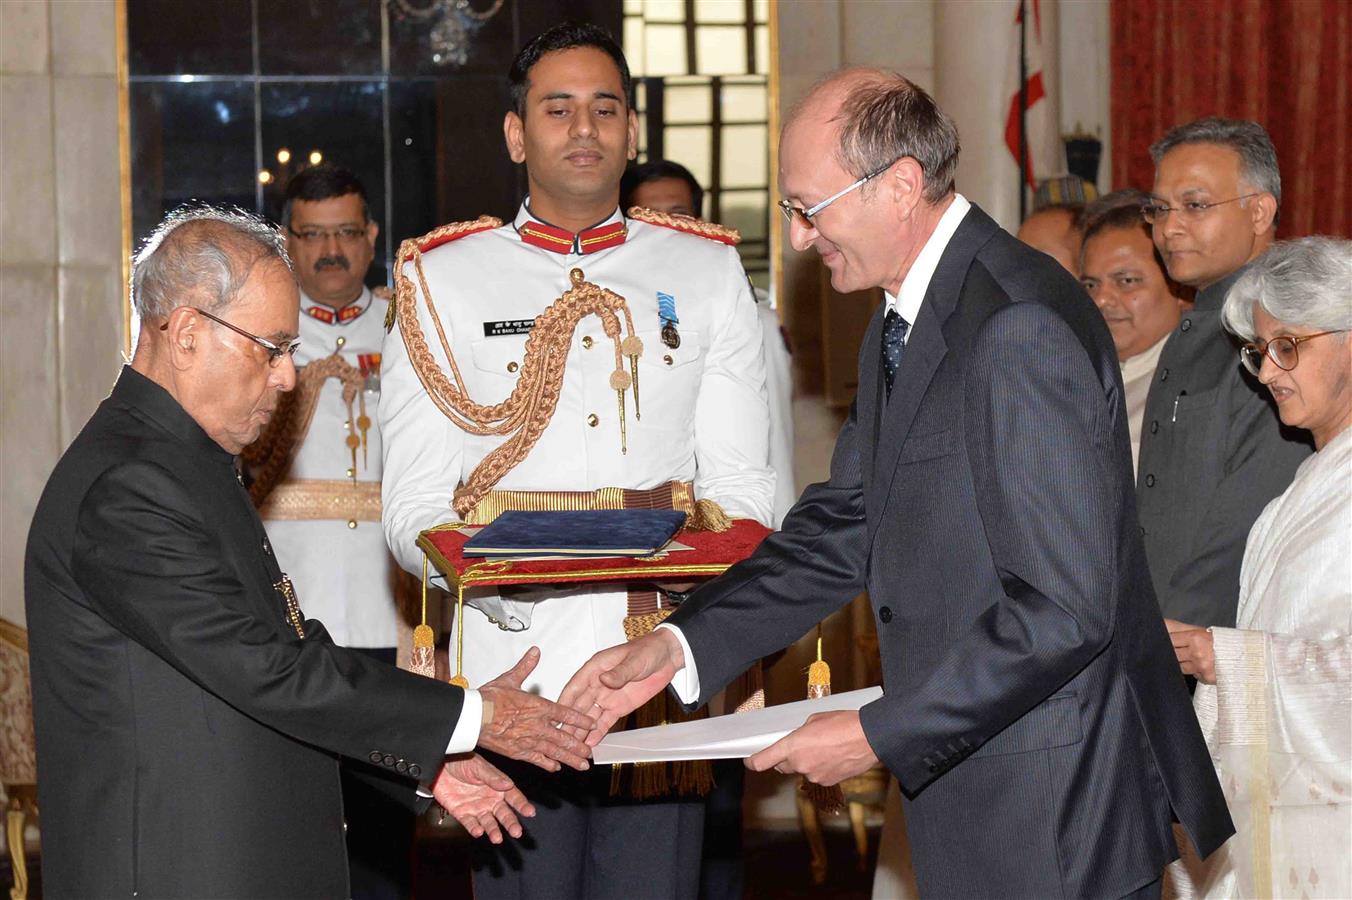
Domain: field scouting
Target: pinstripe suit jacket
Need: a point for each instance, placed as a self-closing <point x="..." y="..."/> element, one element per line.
<point x="1033" y="710"/>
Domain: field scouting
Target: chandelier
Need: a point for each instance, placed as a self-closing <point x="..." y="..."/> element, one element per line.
<point x="455" y="22"/>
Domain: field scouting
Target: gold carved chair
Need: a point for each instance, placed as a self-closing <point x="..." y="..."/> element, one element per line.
<point x="18" y="749"/>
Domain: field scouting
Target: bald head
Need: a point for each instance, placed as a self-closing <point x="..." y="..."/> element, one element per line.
<point x="878" y="117"/>
<point x="1056" y="232"/>
<point x="202" y="256"/>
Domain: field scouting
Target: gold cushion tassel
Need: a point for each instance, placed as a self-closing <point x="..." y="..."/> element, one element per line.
<point x="648" y="781"/>
<point x="827" y="799"/>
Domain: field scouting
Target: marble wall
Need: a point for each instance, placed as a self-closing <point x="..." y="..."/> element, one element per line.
<point x="60" y="247"/>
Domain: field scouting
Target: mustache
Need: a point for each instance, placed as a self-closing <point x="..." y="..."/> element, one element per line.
<point x="325" y="262"/>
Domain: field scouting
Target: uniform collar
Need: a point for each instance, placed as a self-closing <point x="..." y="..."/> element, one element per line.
<point x="609" y="232"/>
<point x="330" y="316"/>
<point x="152" y="401"/>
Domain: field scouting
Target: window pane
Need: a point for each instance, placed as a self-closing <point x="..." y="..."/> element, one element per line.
<point x="634" y="47"/>
<point x="688" y="103"/>
<point x="762" y="49"/>
<point x="744" y="153"/>
<point x="689" y="146"/>
<point x="744" y="103"/>
<point x="665" y="50"/>
<point x="190" y="142"/>
<point x="720" y="11"/>
<point x="633" y="7"/>
<point x="720" y="50"/>
<point x="746" y="211"/>
<point x="170" y="37"/>
<point x="336" y="37"/>
<point x="665" y="10"/>
<point x="761" y="9"/>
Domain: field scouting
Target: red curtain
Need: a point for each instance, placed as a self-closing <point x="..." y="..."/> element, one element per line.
<point x="1286" y="64"/>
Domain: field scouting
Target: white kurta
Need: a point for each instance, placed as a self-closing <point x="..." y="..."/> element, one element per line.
<point x="1279" y="718"/>
<point x="704" y="413"/>
<point x="1137" y="373"/>
<point x="343" y="575"/>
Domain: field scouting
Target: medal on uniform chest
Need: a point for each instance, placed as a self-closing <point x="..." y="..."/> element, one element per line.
<point x="666" y="312"/>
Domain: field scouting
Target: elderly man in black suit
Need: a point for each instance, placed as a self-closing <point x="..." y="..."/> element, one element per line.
<point x="981" y="491"/>
<point x="190" y="721"/>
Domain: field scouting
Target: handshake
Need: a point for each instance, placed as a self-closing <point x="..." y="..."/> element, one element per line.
<point x="523" y="726"/>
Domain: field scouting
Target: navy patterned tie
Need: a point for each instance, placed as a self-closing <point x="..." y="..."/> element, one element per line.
<point x="894" y="341"/>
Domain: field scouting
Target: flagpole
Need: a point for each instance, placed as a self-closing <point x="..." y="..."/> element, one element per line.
<point x="1023" y="109"/>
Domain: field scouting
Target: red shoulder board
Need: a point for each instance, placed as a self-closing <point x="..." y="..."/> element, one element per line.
<point x="455" y="231"/>
<point x="698" y="227"/>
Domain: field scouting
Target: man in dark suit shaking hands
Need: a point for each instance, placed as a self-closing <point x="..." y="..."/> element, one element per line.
<point x="981" y="491"/>
<point x="190" y="720"/>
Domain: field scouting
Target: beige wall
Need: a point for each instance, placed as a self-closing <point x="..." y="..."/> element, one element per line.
<point x="60" y="247"/>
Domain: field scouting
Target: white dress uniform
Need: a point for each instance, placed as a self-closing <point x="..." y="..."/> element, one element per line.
<point x="703" y="404"/>
<point x="342" y="570"/>
<point x="779" y="387"/>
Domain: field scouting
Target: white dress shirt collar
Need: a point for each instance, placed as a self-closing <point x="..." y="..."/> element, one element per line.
<point x="917" y="280"/>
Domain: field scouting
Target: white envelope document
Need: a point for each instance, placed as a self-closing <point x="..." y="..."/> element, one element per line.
<point x="734" y="736"/>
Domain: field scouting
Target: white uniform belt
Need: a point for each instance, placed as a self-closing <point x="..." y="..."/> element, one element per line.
<point x="314" y="498"/>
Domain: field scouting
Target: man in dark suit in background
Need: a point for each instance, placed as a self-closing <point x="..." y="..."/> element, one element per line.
<point x="981" y="491"/>
<point x="1213" y="450"/>
<point x="190" y="722"/>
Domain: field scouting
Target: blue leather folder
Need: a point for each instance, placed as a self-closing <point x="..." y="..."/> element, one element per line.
<point x="598" y="532"/>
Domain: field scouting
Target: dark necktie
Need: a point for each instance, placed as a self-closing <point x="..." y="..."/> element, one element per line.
<point x="894" y="341"/>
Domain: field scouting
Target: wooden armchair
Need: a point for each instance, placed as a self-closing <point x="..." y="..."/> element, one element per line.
<point x="18" y="749"/>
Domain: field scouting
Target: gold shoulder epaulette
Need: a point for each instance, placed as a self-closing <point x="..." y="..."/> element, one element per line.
<point x="442" y="234"/>
<point x="711" y="230"/>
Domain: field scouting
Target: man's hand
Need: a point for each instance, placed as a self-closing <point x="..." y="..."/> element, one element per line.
<point x="620" y="679"/>
<point x="1195" y="650"/>
<point x="829" y="748"/>
<point x="530" y="728"/>
<point x="480" y="797"/>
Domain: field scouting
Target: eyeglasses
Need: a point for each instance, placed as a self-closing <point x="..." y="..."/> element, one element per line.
<point x="345" y="235"/>
<point x="275" y="351"/>
<point x="1281" y="350"/>
<point x="804" y="216"/>
<point x="1190" y="210"/>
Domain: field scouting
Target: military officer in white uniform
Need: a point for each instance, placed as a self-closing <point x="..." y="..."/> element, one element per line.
<point x="701" y="388"/>
<point x="322" y="503"/>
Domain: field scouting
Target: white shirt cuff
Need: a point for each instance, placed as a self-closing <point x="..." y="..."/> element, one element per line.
<point x="686" y="680"/>
<point x="466" y="733"/>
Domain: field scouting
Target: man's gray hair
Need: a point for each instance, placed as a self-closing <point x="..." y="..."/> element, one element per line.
<point x="201" y="256"/>
<point x="1304" y="282"/>
<point x="885" y="119"/>
<point x="1257" y="156"/>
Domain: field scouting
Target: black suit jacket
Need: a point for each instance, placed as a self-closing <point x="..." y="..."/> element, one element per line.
<point x="188" y="739"/>
<point x="1033" y="710"/>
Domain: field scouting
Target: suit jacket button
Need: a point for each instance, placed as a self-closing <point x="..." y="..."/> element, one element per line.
<point x="1187" y="324"/>
<point x="1150" y="481"/>
<point x="388" y="759"/>
<point x="1155" y="426"/>
<point x="401" y="767"/>
<point x="414" y="770"/>
<point x="376" y="756"/>
<point x="885" y="614"/>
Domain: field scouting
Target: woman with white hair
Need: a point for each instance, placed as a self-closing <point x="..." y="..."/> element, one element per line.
<point x="1275" y="692"/>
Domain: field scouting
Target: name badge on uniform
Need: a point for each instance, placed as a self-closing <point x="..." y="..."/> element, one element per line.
<point x="508" y="326"/>
<point x="666" y="313"/>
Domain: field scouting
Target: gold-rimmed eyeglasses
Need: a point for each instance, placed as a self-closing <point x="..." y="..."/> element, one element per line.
<point x="804" y="216"/>
<point x="275" y="351"/>
<point x="1155" y="213"/>
<point x="348" y="234"/>
<point x="1281" y="350"/>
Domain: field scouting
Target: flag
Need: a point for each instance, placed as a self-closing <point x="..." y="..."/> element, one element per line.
<point x="1044" y="153"/>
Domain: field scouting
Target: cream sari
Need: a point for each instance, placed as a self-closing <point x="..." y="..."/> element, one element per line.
<point x="1278" y="720"/>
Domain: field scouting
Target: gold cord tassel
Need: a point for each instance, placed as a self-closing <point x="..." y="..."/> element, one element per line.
<point x="709" y="516"/>
<point x="827" y="799"/>
<point x="423" y="660"/>
<point x="459" y="679"/>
